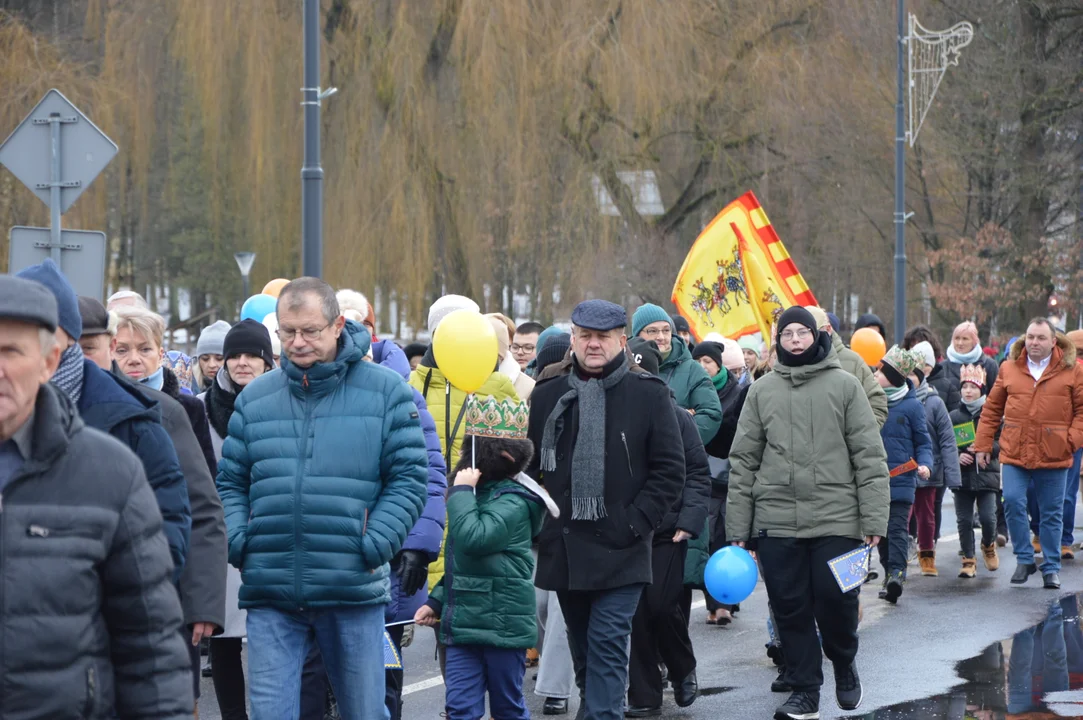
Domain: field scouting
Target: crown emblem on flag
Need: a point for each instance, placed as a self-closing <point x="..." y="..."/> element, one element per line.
<point x="489" y="418"/>
<point x="972" y="374"/>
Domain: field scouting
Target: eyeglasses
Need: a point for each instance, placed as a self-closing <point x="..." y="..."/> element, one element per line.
<point x="655" y="332"/>
<point x="517" y="348"/>
<point x="310" y="334"/>
<point x="802" y="334"/>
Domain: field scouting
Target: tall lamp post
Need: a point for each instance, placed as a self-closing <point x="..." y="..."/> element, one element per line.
<point x="244" y="264"/>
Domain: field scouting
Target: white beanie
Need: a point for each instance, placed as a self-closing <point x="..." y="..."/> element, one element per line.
<point x="924" y="350"/>
<point x="715" y="338"/>
<point x="212" y="339"/>
<point x="446" y="305"/>
<point x="271" y="323"/>
<point x="733" y="358"/>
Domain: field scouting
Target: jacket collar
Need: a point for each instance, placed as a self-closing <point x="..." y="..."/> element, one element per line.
<point x="801" y="374"/>
<point x="1063" y="356"/>
<point x="55" y="421"/>
<point x="678" y="353"/>
<point x="322" y="378"/>
<point x="108" y="400"/>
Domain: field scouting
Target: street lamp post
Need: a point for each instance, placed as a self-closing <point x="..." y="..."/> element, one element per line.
<point x="244" y="264"/>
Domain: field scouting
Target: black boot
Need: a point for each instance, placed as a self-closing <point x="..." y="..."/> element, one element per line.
<point x="555" y="706"/>
<point x="780" y="684"/>
<point x="1022" y="572"/>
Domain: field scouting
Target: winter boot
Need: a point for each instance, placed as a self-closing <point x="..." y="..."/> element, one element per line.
<point x="1037" y="545"/>
<point x="969" y="570"/>
<point x="989" y="553"/>
<point x="893" y="588"/>
<point x="927" y="560"/>
<point x="1066" y="552"/>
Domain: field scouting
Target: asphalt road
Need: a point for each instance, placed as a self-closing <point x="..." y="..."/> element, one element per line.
<point x="908" y="651"/>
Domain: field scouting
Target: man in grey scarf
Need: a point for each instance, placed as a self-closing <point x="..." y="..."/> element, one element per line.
<point x="610" y="453"/>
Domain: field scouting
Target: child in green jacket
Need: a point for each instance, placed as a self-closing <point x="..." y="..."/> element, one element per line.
<point x="484" y="604"/>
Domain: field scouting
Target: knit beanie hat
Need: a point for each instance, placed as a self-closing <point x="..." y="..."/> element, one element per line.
<point x="680" y="324"/>
<point x="733" y="358"/>
<point x="446" y="305"/>
<point x="48" y="274"/>
<point x="819" y="316"/>
<point x="708" y="349"/>
<point x="796" y="314"/>
<point x="645" y="354"/>
<point x="545" y="335"/>
<point x="834" y="320"/>
<point x="249" y="336"/>
<point x="501" y="330"/>
<point x="351" y="300"/>
<point x="1076" y="338"/>
<point x="556" y="347"/>
<point x="211" y="339"/>
<point x="898" y="364"/>
<point x="647" y="314"/>
<point x="924" y="351"/>
<point x="747" y="342"/>
<point x="414" y="350"/>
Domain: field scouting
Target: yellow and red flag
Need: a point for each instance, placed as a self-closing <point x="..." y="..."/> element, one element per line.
<point x="738" y="277"/>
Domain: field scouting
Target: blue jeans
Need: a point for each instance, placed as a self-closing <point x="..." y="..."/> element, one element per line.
<point x="599" y="627"/>
<point x="474" y="669"/>
<point x="351" y="644"/>
<point x="1049" y="495"/>
<point x="1071" y="489"/>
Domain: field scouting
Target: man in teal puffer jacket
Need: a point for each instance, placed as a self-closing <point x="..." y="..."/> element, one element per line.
<point x="322" y="476"/>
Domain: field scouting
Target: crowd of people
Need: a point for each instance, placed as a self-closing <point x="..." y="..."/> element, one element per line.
<point x="301" y="483"/>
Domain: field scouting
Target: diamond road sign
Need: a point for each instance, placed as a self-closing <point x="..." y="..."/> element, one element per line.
<point x="86" y="149"/>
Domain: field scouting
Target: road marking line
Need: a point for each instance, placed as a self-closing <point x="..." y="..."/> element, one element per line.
<point x="423" y="685"/>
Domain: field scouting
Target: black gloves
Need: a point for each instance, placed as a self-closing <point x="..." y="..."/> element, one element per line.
<point x="414" y="570"/>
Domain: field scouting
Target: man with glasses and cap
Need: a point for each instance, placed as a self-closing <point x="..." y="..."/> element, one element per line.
<point x="91" y="621"/>
<point x="609" y="451"/>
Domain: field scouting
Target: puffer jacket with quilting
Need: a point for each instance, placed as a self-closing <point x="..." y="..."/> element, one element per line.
<point x="322" y="476"/>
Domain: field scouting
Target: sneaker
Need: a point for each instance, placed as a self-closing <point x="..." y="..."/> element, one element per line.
<point x="800" y="706"/>
<point x="847" y="687"/>
<point x="779" y="684"/>
<point x="912" y="552"/>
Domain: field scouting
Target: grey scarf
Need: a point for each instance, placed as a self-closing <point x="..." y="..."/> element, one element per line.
<point x="69" y="375"/>
<point x="588" y="457"/>
<point x="974" y="406"/>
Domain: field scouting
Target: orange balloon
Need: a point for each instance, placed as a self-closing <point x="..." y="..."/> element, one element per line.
<point x="274" y="287"/>
<point x="870" y="345"/>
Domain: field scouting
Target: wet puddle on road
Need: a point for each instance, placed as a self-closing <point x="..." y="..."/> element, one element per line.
<point x="1037" y="674"/>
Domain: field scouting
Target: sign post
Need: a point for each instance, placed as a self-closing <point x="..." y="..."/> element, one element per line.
<point x="56" y="151"/>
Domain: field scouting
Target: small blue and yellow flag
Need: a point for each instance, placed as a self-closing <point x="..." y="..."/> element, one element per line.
<point x="392" y="659"/>
<point x="851" y="569"/>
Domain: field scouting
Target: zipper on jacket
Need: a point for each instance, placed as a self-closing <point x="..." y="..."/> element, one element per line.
<point x="91" y="692"/>
<point x="627" y="454"/>
<point x="301" y="462"/>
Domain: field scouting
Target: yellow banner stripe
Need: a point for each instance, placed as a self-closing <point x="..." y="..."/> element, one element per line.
<point x="759" y="218"/>
<point x="778" y="252"/>
<point x="796" y="284"/>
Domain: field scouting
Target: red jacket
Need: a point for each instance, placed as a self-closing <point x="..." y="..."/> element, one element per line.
<point x="1043" y="420"/>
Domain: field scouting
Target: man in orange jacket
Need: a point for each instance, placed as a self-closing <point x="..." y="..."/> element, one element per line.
<point x="1039" y="396"/>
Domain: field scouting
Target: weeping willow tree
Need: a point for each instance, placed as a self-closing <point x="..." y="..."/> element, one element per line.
<point x="465" y="148"/>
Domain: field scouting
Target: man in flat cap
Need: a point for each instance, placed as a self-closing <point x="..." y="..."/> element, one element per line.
<point x="609" y="451"/>
<point x="91" y="621"/>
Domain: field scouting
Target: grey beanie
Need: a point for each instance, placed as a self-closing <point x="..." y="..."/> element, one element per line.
<point x="212" y="339"/>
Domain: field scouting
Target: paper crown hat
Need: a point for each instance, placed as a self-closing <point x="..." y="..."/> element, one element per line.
<point x="972" y="374"/>
<point x="486" y="417"/>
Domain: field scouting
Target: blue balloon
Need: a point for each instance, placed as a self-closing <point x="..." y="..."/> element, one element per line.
<point x="731" y="575"/>
<point x="258" y="307"/>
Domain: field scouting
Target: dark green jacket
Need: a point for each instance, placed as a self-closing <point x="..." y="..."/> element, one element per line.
<point x="693" y="389"/>
<point x="486" y="596"/>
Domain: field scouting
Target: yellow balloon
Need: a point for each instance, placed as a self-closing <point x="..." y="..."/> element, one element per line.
<point x="464" y="345"/>
<point x="274" y="287"/>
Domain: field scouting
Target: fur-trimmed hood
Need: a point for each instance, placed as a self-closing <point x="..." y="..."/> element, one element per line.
<point x="1067" y="349"/>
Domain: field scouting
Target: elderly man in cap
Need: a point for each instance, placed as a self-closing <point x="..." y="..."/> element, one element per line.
<point x="91" y="621"/>
<point x="610" y="453"/>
